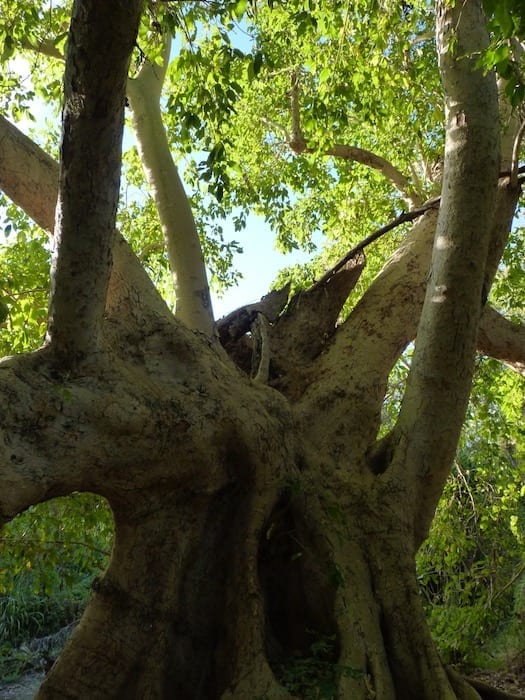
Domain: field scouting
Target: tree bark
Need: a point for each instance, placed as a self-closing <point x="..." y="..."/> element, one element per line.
<point x="91" y="156"/>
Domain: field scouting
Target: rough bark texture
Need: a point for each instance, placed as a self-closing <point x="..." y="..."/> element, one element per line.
<point x="90" y="160"/>
<point x="256" y="519"/>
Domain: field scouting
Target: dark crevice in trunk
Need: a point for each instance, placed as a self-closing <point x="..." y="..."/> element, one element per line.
<point x="301" y="635"/>
<point x="197" y="631"/>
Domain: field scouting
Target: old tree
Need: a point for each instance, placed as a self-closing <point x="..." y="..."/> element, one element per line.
<point x="259" y="504"/>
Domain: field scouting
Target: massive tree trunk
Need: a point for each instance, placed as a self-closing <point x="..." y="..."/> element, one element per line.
<point x="257" y="520"/>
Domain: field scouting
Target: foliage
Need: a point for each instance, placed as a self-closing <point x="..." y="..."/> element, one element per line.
<point x="50" y="555"/>
<point x="24" y="285"/>
<point x="507" y="22"/>
<point x="314" y="677"/>
<point x="468" y="573"/>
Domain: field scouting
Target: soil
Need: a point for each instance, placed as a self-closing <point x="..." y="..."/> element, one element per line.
<point x="510" y="680"/>
<point x="22" y="689"/>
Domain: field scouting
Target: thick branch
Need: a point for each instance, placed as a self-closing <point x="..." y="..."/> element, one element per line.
<point x="502" y="339"/>
<point x="438" y="386"/>
<point x="348" y="383"/>
<point x="29" y="177"/>
<point x="178" y="225"/>
<point x="100" y="42"/>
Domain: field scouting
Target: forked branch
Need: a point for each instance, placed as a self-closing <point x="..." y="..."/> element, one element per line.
<point x="298" y="144"/>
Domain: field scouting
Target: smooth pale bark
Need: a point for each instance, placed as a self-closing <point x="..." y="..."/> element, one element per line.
<point x="176" y="217"/>
<point x="503" y="340"/>
<point x="100" y="34"/>
<point x="438" y="386"/>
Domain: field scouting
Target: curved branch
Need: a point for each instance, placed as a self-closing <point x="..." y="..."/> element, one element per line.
<point x="500" y="338"/>
<point x="176" y="218"/>
<point x="297" y="143"/>
<point x="372" y="160"/>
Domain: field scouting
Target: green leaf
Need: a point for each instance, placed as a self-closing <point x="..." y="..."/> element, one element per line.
<point x="240" y="9"/>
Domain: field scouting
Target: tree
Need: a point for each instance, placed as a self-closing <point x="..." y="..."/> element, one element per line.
<point x="262" y="519"/>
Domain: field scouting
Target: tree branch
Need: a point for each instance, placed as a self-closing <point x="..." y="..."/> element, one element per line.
<point x="502" y="339"/>
<point x="100" y="42"/>
<point x="29" y="177"/>
<point x="298" y="145"/>
<point x="365" y="242"/>
<point x="46" y="47"/>
<point x="178" y="225"/>
<point x="367" y="345"/>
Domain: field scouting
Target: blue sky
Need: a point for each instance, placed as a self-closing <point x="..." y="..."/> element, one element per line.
<point x="259" y="264"/>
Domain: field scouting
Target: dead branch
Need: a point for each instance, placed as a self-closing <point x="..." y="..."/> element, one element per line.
<point x="359" y="247"/>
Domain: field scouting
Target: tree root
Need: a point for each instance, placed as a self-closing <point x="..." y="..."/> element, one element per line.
<point x="487" y="692"/>
<point x="468" y="688"/>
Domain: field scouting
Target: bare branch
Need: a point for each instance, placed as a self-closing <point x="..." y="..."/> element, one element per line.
<point x="389" y="171"/>
<point x="401" y="219"/>
<point x="178" y="225"/>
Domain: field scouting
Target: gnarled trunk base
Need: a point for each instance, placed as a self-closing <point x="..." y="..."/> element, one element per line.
<point x="253" y="593"/>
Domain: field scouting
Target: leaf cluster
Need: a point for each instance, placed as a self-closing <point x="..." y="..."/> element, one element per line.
<point x="507" y="26"/>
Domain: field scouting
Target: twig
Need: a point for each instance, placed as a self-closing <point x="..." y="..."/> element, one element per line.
<point x="514" y="169"/>
<point x="261" y="327"/>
